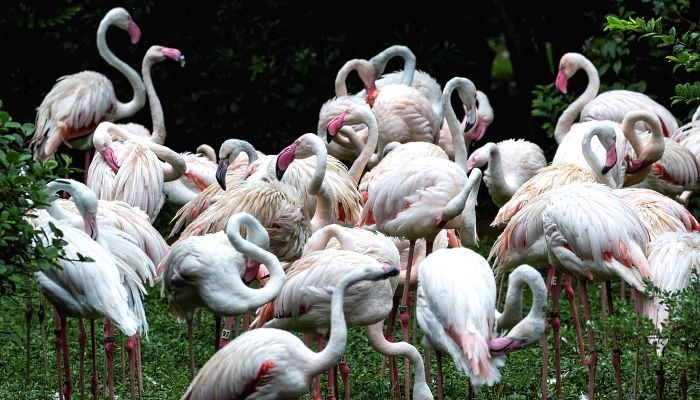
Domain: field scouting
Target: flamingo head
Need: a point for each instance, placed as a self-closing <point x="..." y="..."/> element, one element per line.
<point x="478" y="158"/>
<point x="334" y="126"/>
<point x="610" y="157"/>
<point x="504" y="345"/>
<point x="102" y="141"/>
<point x="568" y="65"/>
<point x="251" y="271"/>
<point x="90" y="227"/>
<point x="160" y="52"/>
<point x="86" y="203"/>
<point x="561" y="81"/>
<point x="470" y="117"/>
<point x="284" y="159"/>
<point x="221" y="172"/>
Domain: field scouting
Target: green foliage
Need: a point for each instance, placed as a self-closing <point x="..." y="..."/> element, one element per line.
<point x="684" y="48"/>
<point x="22" y="192"/>
<point x="548" y="103"/>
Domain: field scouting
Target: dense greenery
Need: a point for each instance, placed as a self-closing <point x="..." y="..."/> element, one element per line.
<point x="22" y="192"/>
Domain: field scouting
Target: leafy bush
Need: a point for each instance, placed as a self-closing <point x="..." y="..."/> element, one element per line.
<point x="23" y="191"/>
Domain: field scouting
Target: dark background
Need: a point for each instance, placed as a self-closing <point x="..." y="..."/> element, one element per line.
<point x="260" y="70"/>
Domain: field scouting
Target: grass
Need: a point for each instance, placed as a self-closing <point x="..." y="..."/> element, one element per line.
<point x="166" y="362"/>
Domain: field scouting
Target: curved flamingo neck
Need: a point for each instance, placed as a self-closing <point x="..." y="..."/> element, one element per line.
<point x="174" y="166"/>
<point x="365" y="116"/>
<point x="467" y="93"/>
<point x="567" y="118"/>
<point x="122" y="110"/>
<point x="319" y="240"/>
<point x="57" y="212"/>
<point x="380" y="60"/>
<point x="647" y="153"/>
<point x="257" y="238"/>
<point x="468" y="236"/>
<point x="496" y="169"/>
<point x="592" y="159"/>
<point x="208" y="152"/>
<point x="158" y="133"/>
<point x="363" y="70"/>
<point x="537" y="313"/>
<point x="376" y="339"/>
<point x="329" y="356"/>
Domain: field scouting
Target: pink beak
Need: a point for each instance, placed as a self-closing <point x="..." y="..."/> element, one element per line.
<point x="91" y="225"/>
<point x="134" y="32"/>
<point x="561" y="81"/>
<point x="251" y="271"/>
<point x="504" y="345"/>
<point x="111" y="159"/>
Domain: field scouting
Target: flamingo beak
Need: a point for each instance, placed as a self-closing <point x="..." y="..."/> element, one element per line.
<point x="610" y="159"/>
<point x="284" y="159"/>
<point x="334" y="126"/>
<point x="221" y="172"/>
<point x="251" y="271"/>
<point x="91" y="225"/>
<point x="504" y="345"/>
<point x="389" y="271"/>
<point x="471" y="115"/>
<point x="111" y="159"/>
<point x="135" y="34"/>
<point x="561" y="81"/>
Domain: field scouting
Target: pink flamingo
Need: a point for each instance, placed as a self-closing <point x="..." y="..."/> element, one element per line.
<point x="212" y="272"/>
<point x="456" y="312"/>
<point x="273" y="363"/>
<point x="78" y="103"/>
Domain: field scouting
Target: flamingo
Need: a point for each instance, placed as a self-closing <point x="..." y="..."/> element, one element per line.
<point x="562" y="173"/>
<point x="511" y="163"/>
<point x="235" y="156"/>
<point x="303" y="303"/>
<point x="456" y="313"/>
<point x="82" y="289"/>
<point x="688" y="136"/>
<point x="611" y="105"/>
<point x="659" y="214"/>
<point x="611" y="247"/>
<point x="197" y="273"/>
<point x="132" y="173"/>
<point x="477" y="131"/>
<point x="78" y="103"/>
<point x="274" y="364"/>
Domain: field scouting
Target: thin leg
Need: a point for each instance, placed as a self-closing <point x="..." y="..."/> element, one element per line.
<point x="123" y="357"/>
<point x="189" y="337"/>
<point x="109" y="352"/>
<point x="94" y="383"/>
<point x="404" y="313"/>
<point x="317" y="380"/>
<point x="389" y="335"/>
<point x="236" y="322"/>
<point x="130" y="348"/>
<point x="577" y="322"/>
<point x="545" y="345"/>
<point x="88" y="159"/>
<point x="616" y="349"/>
<point x="199" y="320"/>
<point x="556" y="291"/>
<point x="438" y="362"/>
<point x="226" y="333"/>
<point x="246" y="321"/>
<point x="623" y="290"/>
<point x="603" y="307"/>
<point x="500" y="291"/>
<point x="68" y="390"/>
<point x="593" y="357"/>
<point x="82" y="341"/>
<point x="28" y="319"/>
<point x="42" y="315"/>
<point x="57" y="339"/>
<point x="345" y="374"/>
<point x="330" y="393"/>
<point x="217" y="326"/>
<point x="139" y="377"/>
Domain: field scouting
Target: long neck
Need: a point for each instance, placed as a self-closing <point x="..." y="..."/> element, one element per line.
<point x="330" y="355"/>
<point x="123" y="110"/>
<point x="257" y="234"/>
<point x="358" y="166"/>
<point x="319" y="240"/>
<point x="376" y="339"/>
<point x="533" y="279"/>
<point x="158" y="135"/>
<point x="647" y="153"/>
<point x="341" y="88"/>
<point x="380" y="60"/>
<point x="177" y="193"/>
<point x="463" y="87"/>
<point x="496" y="169"/>
<point x="174" y="166"/>
<point x="593" y="160"/>
<point x="57" y="212"/>
<point x="468" y="235"/>
<point x="513" y="309"/>
<point x="569" y="115"/>
<point x="209" y="152"/>
<point x="324" y="208"/>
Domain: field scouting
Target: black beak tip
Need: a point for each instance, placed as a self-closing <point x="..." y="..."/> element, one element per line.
<point x="329" y="137"/>
<point x="133" y="47"/>
<point x="468" y="126"/>
<point x="279" y="172"/>
<point x="606" y="169"/>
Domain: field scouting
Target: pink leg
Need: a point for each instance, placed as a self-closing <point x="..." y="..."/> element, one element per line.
<point x="68" y="390"/>
<point x="577" y="322"/>
<point x="317" y="380"/>
<point x="593" y="357"/>
<point x="246" y="321"/>
<point x="94" y="383"/>
<point x="616" y="349"/>
<point x="189" y="337"/>
<point x="404" y="310"/>
<point x="555" y="285"/>
<point x="438" y="361"/>
<point x="109" y="352"/>
<point x="82" y="340"/>
<point x="123" y="357"/>
<point x="391" y="323"/>
<point x="545" y="345"/>
<point x="138" y="365"/>
<point x="345" y="374"/>
<point x="226" y="333"/>
<point x="130" y="348"/>
<point x="217" y="337"/>
<point x="330" y="394"/>
<point x="59" y="346"/>
<point x="88" y="159"/>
